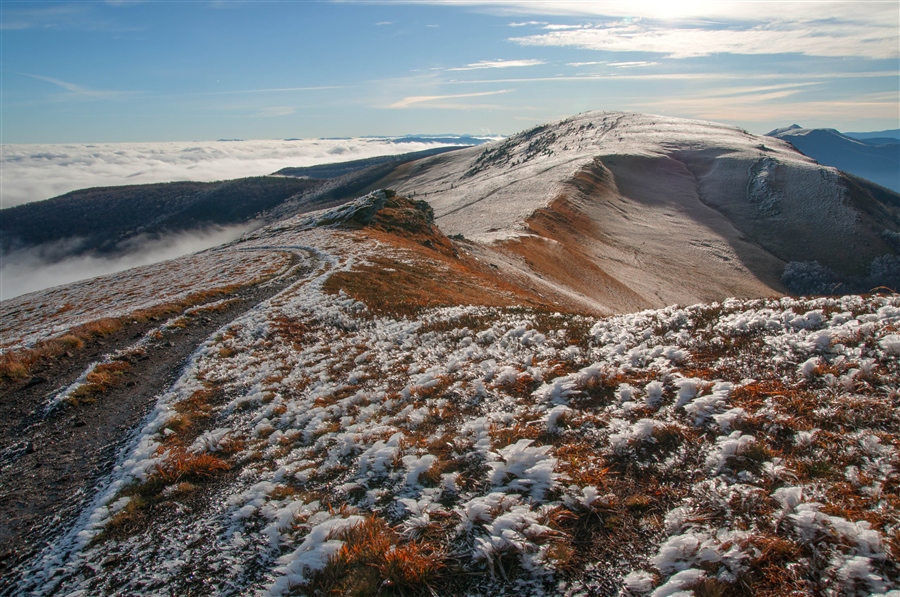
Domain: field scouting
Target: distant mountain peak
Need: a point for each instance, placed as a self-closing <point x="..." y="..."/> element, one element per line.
<point x="776" y="132"/>
<point x="874" y="158"/>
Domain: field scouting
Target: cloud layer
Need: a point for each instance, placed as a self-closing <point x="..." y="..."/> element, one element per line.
<point x="35" y="172"/>
<point x="811" y="39"/>
<point x="482" y="64"/>
<point x="866" y="29"/>
<point x="32" y="270"/>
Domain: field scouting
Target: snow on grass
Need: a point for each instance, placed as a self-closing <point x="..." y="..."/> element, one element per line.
<point x="24" y="320"/>
<point x="684" y="447"/>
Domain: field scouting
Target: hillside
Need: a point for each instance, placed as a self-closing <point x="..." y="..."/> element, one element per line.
<point x="395" y="420"/>
<point x="522" y="372"/>
<point x="639" y="211"/>
<point x="876" y="159"/>
<point x="107" y="221"/>
<point x="605" y="211"/>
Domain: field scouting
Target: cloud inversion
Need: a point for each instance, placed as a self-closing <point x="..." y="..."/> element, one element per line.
<point x="35" y="172"/>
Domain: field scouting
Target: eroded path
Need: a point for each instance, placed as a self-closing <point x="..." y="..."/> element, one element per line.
<point x="52" y="458"/>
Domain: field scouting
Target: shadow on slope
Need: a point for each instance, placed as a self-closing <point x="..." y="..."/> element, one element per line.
<point x="630" y="233"/>
<point x="802" y="214"/>
<point x="877" y="160"/>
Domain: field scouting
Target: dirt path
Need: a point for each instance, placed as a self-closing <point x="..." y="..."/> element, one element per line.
<point x="50" y="463"/>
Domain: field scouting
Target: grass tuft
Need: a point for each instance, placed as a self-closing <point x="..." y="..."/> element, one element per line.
<point x="374" y="561"/>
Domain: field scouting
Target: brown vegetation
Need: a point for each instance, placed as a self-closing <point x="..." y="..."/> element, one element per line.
<point x="17" y="365"/>
<point x="374" y="560"/>
<point x="98" y="381"/>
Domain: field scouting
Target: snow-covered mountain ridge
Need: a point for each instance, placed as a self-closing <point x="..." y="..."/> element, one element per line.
<point x="420" y="392"/>
<point x="606" y="211"/>
<point x="649" y="204"/>
<point x="332" y="441"/>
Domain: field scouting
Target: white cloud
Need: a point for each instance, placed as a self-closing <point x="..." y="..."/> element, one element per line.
<point x="698" y="76"/>
<point x="498" y="64"/>
<point x="383" y="23"/>
<point x="31" y="270"/>
<point x="873" y="12"/>
<point x="632" y="64"/>
<point x="770" y="104"/>
<point x="420" y="99"/>
<point x="812" y="39"/>
<point x="557" y="27"/>
<point x="528" y="24"/>
<point x="35" y="172"/>
<point x="80" y="90"/>
<point x="592" y="63"/>
<point x="700" y="27"/>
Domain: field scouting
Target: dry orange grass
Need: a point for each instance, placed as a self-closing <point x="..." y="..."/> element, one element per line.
<point x="186" y="466"/>
<point x="98" y="382"/>
<point x="434" y="274"/>
<point x="374" y="561"/>
<point x="18" y="365"/>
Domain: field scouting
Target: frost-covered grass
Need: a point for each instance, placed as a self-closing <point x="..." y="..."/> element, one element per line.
<point x="320" y="446"/>
<point x="36" y="330"/>
<point x="39" y="316"/>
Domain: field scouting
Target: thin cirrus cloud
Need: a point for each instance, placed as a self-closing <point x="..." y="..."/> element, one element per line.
<point x="429" y="100"/>
<point x="275" y="111"/>
<point x="632" y="64"/>
<point x="696" y="76"/>
<point x="48" y="17"/>
<point x="871" y="13"/>
<point x="866" y="29"/>
<point x="756" y="108"/>
<point x="635" y="64"/>
<point x="528" y="23"/>
<point x="483" y="64"/>
<point x="81" y="91"/>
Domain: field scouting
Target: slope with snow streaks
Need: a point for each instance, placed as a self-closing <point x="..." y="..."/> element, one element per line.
<point x="37" y="316"/>
<point x="316" y="445"/>
<point x="700" y="210"/>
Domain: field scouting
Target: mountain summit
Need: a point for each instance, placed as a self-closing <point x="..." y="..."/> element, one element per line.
<point x="623" y="211"/>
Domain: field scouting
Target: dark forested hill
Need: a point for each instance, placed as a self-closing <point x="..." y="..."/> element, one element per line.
<point x="103" y="220"/>
<point x="100" y="218"/>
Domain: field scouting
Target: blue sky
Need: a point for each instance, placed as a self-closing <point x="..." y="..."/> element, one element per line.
<point x="77" y="72"/>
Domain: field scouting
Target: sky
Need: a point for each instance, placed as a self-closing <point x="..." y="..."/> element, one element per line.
<point x="130" y="71"/>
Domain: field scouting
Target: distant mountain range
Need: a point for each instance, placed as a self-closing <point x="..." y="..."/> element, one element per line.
<point x="874" y="156"/>
<point x="889" y="136"/>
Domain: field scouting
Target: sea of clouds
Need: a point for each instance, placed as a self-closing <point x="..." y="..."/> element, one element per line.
<point x="27" y="271"/>
<point x="36" y="172"/>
